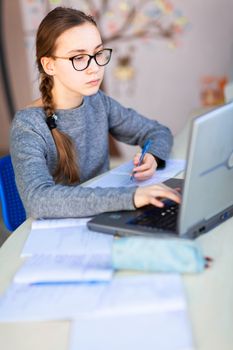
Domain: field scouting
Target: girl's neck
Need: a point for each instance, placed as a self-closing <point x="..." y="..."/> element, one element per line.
<point x="67" y="104"/>
<point x="66" y="101"/>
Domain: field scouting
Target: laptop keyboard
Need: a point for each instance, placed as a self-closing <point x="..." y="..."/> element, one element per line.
<point x="161" y="218"/>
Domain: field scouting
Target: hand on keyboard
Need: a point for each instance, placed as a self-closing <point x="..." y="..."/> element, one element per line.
<point x="155" y="195"/>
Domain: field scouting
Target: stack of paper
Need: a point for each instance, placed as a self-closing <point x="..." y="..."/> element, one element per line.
<point x="65" y="268"/>
<point x="147" y="311"/>
<point x="133" y="295"/>
<point x="65" y="251"/>
<point x="65" y="237"/>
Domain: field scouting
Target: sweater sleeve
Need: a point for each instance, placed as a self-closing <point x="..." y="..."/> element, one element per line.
<point x="128" y="126"/>
<point x="43" y="198"/>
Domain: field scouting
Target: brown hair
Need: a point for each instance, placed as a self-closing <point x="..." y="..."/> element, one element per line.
<point x="52" y="26"/>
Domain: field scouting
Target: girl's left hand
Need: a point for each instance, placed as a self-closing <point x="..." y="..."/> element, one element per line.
<point x="146" y="169"/>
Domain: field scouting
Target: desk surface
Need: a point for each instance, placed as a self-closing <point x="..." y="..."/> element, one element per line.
<point x="209" y="295"/>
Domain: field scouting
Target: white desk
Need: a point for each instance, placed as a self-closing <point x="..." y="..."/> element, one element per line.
<point x="210" y="298"/>
<point x="210" y="295"/>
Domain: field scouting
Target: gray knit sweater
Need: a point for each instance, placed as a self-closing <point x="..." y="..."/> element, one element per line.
<point x="34" y="156"/>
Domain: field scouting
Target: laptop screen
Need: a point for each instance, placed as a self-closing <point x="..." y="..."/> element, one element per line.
<point x="208" y="190"/>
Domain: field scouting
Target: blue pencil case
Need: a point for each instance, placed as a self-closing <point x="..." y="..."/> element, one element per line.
<point x="158" y="255"/>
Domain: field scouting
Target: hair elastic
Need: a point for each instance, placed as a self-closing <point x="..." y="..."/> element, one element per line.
<point x="51" y="121"/>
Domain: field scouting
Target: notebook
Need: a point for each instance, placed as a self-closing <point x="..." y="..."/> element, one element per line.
<point x="207" y="194"/>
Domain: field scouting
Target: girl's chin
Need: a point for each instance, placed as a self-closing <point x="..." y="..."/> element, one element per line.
<point x="91" y="90"/>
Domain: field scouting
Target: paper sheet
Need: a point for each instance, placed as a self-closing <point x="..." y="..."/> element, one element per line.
<point x="59" y="223"/>
<point x="168" y="330"/>
<point x="121" y="296"/>
<point x="143" y="293"/>
<point x="120" y="176"/>
<point x="65" y="237"/>
<point x="65" y="268"/>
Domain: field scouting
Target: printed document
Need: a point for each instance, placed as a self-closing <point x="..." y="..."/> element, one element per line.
<point x="65" y="237"/>
<point x="123" y="295"/>
<point x="65" y="268"/>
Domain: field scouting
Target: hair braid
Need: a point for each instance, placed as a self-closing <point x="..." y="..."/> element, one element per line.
<point x="66" y="171"/>
<point x="46" y="85"/>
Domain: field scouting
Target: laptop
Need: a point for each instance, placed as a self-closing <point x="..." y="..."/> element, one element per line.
<point x="207" y="190"/>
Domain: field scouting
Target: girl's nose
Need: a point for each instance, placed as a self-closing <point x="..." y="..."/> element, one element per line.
<point x="93" y="66"/>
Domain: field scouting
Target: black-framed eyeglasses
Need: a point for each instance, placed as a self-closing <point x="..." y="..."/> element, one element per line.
<point x="82" y="61"/>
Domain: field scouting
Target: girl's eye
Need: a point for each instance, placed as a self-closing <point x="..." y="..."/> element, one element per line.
<point x="80" y="58"/>
<point x="100" y="53"/>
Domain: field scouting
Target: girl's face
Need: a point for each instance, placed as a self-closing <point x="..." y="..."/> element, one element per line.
<point x="69" y="83"/>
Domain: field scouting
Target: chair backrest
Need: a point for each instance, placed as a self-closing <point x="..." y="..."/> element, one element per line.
<point x="13" y="211"/>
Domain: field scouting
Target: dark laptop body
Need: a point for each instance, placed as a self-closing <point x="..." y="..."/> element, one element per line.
<point x="207" y="194"/>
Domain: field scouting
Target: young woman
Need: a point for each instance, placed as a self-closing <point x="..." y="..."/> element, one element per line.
<point x="61" y="140"/>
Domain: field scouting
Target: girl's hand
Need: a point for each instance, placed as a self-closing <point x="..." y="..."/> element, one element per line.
<point x="146" y="169"/>
<point x="154" y="195"/>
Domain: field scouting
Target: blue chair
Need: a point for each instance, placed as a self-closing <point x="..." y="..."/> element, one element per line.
<point x="13" y="211"/>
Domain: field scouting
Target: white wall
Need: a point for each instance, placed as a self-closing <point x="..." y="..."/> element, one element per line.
<point x="168" y="81"/>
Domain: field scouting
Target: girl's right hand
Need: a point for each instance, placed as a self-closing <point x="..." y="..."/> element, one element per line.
<point x="154" y="195"/>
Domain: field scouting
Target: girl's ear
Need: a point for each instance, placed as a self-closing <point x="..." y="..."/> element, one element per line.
<point x="48" y="65"/>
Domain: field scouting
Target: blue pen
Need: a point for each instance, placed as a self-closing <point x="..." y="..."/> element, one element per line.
<point x="144" y="151"/>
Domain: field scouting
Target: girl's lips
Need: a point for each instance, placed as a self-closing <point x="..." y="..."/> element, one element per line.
<point x="93" y="82"/>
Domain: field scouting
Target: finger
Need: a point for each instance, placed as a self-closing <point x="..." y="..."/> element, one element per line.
<point x="144" y="175"/>
<point x="168" y="188"/>
<point x="178" y="189"/>
<point x="168" y="194"/>
<point x="156" y="202"/>
<point x="146" y="165"/>
<point x="175" y="197"/>
<point x="141" y="168"/>
<point x="136" y="158"/>
<point x="148" y="159"/>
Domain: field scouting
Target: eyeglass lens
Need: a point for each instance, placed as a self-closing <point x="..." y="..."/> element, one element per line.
<point x="102" y="58"/>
